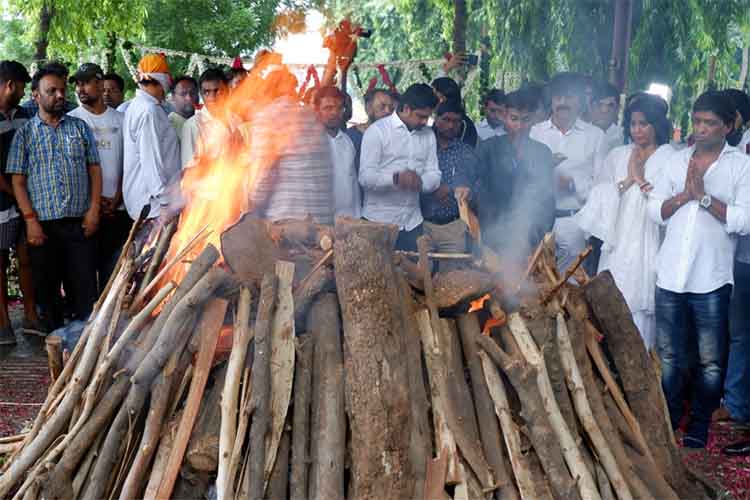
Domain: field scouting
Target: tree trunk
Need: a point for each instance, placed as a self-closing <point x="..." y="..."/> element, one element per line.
<point x="459" y="26"/>
<point x="46" y="13"/>
<point x="377" y="388"/>
<point x="621" y="32"/>
<point x="109" y="62"/>
<point x="742" y="84"/>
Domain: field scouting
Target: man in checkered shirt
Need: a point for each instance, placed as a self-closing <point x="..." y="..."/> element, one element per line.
<point x="57" y="182"/>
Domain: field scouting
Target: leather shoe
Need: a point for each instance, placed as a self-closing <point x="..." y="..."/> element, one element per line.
<point x="738" y="449"/>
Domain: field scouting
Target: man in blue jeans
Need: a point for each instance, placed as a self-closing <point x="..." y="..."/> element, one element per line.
<point x="703" y="198"/>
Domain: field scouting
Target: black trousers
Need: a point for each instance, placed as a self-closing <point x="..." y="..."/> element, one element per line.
<point x="112" y="234"/>
<point x="66" y="256"/>
<point x="407" y="240"/>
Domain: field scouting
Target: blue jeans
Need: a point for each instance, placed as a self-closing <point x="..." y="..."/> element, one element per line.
<point x="737" y="383"/>
<point x="677" y="342"/>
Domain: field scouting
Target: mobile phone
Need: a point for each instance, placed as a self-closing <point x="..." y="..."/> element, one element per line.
<point x="472" y="59"/>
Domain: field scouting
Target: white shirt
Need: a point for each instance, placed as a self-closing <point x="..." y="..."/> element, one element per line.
<point x="613" y="137"/>
<point x="202" y="134"/>
<point x="107" y="129"/>
<point x="583" y="147"/>
<point x="698" y="252"/>
<point x="485" y="131"/>
<point x="389" y="147"/>
<point x="346" y="193"/>
<point x="178" y="121"/>
<point x="151" y="156"/>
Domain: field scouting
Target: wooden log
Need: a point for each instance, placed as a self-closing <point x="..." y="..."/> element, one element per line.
<point x="249" y="250"/>
<point x="639" y="381"/>
<point x="585" y="414"/>
<point x="278" y="484"/>
<point x="445" y="441"/>
<point x="541" y="482"/>
<point x="298" y="483"/>
<point x="231" y="393"/>
<point x="420" y="447"/>
<point x="459" y="285"/>
<point x="53" y="345"/>
<point x="282" y="361"/>
<point x="161" y="396"/>
<point x="328" y="429"/>
<point x="605" y="488"/>
<point x="235" y="461"/>
<point x="489" y="431"/>
<point x="162" y="456"/>
<point x="377" y="382"/>
<point x="202" y="453"/>
<point x="434" y="485"/>
<point x="496" y="390"/>
<point x="210" y="324"/>
<point x="571" y="452"/>
<point x="523" y="376"/>
<point x="594" y="394"/>
<point x="56" y="423"/>
<point x="319" y="280"/>
<point x="171" y="339"/>
<point x="543" y="329"/>
<point x="160" y="251"/>
<point x="260" y="398"/>
<point x="459" y="409"/>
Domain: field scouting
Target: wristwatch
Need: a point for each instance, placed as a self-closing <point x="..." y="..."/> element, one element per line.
<point x="706" y="201"/>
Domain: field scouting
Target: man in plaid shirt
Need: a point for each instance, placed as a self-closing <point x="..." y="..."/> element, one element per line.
<point x="57" y="182"/>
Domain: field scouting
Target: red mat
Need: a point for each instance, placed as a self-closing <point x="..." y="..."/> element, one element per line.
<point x="23" y="388"/>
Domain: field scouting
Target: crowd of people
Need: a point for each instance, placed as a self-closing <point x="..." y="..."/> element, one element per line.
<point x="669" y="220"/>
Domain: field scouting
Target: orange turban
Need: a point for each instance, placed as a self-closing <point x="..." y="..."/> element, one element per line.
<point x="153" y="63"/>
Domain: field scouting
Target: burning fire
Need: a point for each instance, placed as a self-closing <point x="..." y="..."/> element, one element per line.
<point x="497" y="319"/>
<point x="216" y="185"/>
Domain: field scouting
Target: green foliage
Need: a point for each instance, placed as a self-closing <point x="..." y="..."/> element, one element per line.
<point x="15" y="43"/>
<point x="673" y="40"/>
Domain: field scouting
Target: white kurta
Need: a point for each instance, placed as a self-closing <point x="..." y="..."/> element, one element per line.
<point x="630" y="238"/>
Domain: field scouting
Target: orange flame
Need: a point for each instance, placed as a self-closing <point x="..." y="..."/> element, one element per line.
<point x="478" y="304"/>
<point x="226" y="166"/>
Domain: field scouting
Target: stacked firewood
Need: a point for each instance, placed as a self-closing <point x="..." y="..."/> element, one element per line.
<point x="310" y="362"/>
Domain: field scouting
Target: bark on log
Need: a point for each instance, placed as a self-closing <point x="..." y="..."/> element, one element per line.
<point x="328" y="431"/>
<point x="543" y="330"/>
<point x="202" y="453"/>
<point x="161" y="397"/>
<point x="377" y="388"/>
<point x="209" y="326"/>
<point x="248" y="249"/>
<point x="162" y="456"/>
<point x="445" y="441"/>
<point x="585" y="414"/>
<point x="170" y="339"/>
<point x="53" y="344"/>
<point x="301" y="419"/>
<point x="230" y="394"/>
<point x="420" y="447"/>
<point x="489" y="431"/>
<point x="571" y="452"/>
<point x="639" y="380"/>
<point x="321" y="279"/>
<point x="593" y="391"/>
<point x="282" y="361"/>
<point x="260" y="398"/>
<point x="55" y="424"/>
<point x="454" y="287"/>
<point x="496" y="390"/>
<point x="523" y="376"/>
<point x="278" y="484"/>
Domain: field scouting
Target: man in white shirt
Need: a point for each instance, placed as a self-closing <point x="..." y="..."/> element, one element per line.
<point x="150" y="145"/>
<point x="106" y="125"/>
<point x="184" y="100"/>
<point x="577" y="151"/>
<point x="703" y="198"/>
<point x="494" y="115"/>
<point x="605" y="110"/>
<point x="207" y="132"/>
<point x="398" y="162"/>
<point x="329" y="108"/>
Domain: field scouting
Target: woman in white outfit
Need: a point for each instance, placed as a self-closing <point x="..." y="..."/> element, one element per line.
<point x="616" y="210"/>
